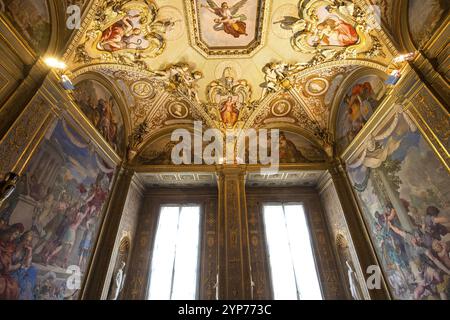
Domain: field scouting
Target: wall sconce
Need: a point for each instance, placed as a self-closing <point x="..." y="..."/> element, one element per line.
<point x="55" y="63"/>
<point x="67" y="83"/>
<point x="393" y="77"/>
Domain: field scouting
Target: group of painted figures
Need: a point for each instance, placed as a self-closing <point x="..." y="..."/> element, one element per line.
<point x="33" y="261"/>
<point x="101" y="112"/>
<point x="417" y="260"/>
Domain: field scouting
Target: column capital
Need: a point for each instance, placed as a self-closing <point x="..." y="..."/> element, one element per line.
<point x="337" y="168"/>
<point x="231" y="170"/>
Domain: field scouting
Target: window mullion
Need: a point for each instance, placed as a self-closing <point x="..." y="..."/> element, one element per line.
<point x="291" y="253"/>
<point x="175" y="254"/>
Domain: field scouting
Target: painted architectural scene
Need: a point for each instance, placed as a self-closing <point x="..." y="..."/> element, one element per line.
<point x="50" y="223"/>
<point x="407" y="211"/>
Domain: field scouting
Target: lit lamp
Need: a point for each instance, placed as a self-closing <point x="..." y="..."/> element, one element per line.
<point x="59" y="65"/>
<point x="54" y="63"/>
<point x="404" y="57"/>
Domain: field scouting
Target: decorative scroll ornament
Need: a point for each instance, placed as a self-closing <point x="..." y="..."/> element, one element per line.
<point x="178" y="79"/>
<point x="331" y="30"/>
<point x="125" y="32"/>
<point x="229" y="100"/>
<point x="138" y="90"/>
<point x="136" y="138"/>
<point x="276" y="76"/>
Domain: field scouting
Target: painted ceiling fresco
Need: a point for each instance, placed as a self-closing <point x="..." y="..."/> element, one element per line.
<point x="315" y="69"/>
<point x="33" y="24"/>
<point x="230" y="64"/>
<point x="226" y="27"/>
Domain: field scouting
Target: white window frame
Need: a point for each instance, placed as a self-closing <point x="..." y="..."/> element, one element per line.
<point x="311" y="242"/>
<point x="200" y="239"/>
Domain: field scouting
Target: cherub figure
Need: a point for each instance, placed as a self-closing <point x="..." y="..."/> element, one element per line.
<point x="273" y="74"/>
<point x="178" y="77"/>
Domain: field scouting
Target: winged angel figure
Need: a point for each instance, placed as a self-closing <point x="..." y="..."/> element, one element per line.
<point x="229" y="19"/>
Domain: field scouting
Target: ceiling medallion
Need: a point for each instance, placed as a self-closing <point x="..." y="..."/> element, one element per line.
<point x="281" y="108"/>
<point x="142" y="89"/>
<point x="172" y="14"/>
<point x="227" y="28"/>
<point x="317" y="86"/>
<point x="178" y="110"/>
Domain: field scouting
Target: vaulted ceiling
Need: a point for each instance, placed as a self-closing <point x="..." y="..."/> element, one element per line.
<point x="285" y="64"/>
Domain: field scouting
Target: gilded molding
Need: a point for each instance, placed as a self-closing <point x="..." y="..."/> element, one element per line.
<point x="199" y="45"/>
<point x="15" y="143"/>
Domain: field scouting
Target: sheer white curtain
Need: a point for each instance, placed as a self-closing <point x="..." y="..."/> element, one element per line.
<point x="173" y="274"/>
<point x="293" y="269"/>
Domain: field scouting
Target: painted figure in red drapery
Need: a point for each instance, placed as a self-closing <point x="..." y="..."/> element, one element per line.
<point x="335" y="32"/>
<point x="118" y="36"/>
<point x="9" y="287"/>
<point x="229" y="20"/>
<point x="229" y="112"/>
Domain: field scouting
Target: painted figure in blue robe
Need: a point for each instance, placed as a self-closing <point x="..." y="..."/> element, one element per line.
<point x="26" y="274"/>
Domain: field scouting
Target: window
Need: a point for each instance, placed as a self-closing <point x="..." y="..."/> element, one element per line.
<point x="294" y="274"/>
<point x="175" y="255"/>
